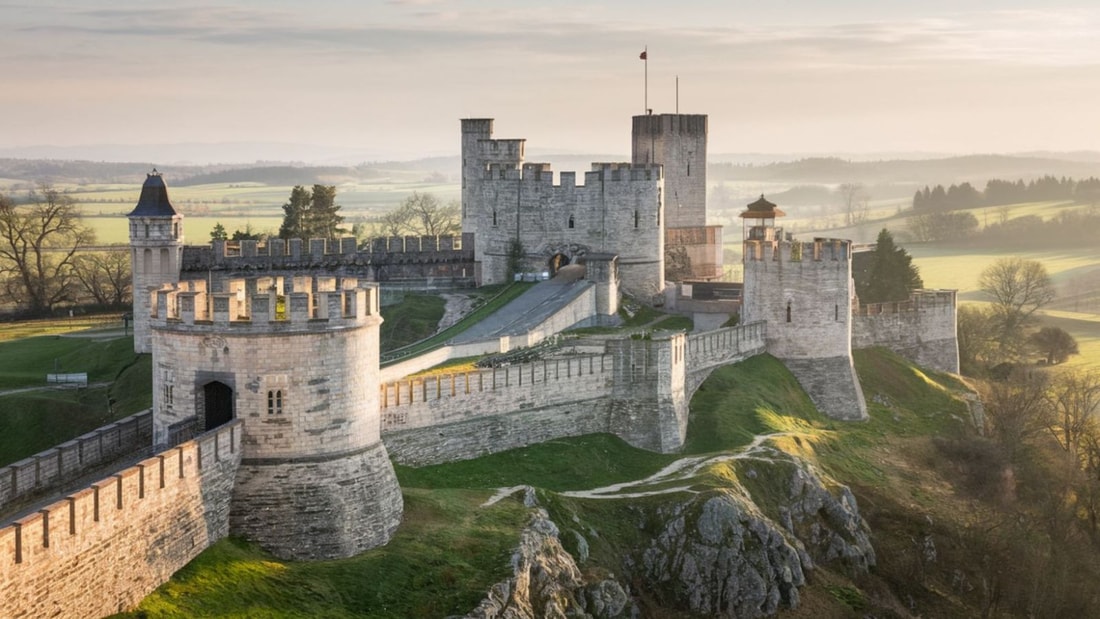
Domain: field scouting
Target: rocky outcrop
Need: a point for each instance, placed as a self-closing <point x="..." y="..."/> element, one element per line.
<point x="721" y="555"/>
<point x="547" y="583"/>
<point x="717" y="553"/>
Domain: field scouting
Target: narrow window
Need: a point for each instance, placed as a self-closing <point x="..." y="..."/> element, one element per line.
<point x="788" y="311"/>
<point x="146" y="230"/>
<point x="494" y="217"/>
<point x="689" y="169"/>
<point x="836" y="312"/>
<point x="571" y="223"/>
<point x="275" y="402"/>
<point x="635" y="218"/>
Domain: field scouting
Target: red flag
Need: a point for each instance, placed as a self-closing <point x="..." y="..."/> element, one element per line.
<point x="642" y="56"/>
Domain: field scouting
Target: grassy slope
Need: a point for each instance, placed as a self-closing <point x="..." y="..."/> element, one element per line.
<point x="415" y="318"/>
<point x="33" y="421"/>
<point x="446" y="554"/>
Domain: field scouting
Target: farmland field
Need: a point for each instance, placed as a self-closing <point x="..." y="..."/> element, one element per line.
<point x="236" y="205"/>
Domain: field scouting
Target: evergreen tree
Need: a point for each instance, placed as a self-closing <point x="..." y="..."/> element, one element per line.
<point x="891" y="275"/>
<point x="218" y="233"/>
<point x="295" y="213"/>
<point x="324" y="221"/>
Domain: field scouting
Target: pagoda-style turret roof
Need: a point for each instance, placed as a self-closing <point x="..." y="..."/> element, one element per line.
<point x="762" y="209"/>
<point x="154" y="198"/>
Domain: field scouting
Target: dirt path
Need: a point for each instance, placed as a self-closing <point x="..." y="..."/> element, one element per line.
<point x="680" y="469"/>
<point x="458" y="305"/>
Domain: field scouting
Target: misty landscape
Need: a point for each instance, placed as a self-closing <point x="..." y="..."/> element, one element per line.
<point x="431" y="309"/>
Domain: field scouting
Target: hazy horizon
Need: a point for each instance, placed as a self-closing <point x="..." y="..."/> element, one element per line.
<point x="343" y="81"/>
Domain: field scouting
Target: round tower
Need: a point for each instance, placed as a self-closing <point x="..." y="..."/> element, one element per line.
<point x="156" y="245"/>
<point x="803" y="290"/>
<point x="301" y="371"/>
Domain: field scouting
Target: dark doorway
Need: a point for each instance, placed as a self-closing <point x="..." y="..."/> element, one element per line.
<point x="218" y="401"/>
<point x="557" y="261"/>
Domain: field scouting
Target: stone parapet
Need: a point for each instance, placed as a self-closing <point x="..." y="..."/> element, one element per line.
<point x="122" y="536"/>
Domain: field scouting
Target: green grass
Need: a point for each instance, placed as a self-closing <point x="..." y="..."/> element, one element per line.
<point x="34" y="421"/>
<point x="495" y="297"/>
<point x="415" y="318"/>
<point x="25" y="362"/>
<point x="447" y="553"/>
<point x="563" y="464"/>
<point x="740" y="401"/>
<point x="17" y="330"/>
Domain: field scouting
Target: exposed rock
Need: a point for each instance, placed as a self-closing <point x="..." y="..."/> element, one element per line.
<point x="723" y="558"/>
<point x="716" y="553"/>
<point x="548" y="584"/>
<point x="719" y="555"/>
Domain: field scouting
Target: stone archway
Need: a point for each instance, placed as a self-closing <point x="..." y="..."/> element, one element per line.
<point x="556" y="262"/>
<point x="217" y="405"/>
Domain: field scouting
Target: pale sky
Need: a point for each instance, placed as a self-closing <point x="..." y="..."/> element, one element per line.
<point x="395" y="76"/>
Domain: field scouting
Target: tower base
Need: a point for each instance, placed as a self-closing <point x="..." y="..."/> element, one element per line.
<point x="833" y="386"/>
<point x="316" y="507"/>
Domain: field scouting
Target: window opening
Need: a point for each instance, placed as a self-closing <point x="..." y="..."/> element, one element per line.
<point x="788" y="311"/>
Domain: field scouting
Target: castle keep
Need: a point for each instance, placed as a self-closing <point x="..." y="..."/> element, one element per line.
<point x="272" y="419"/>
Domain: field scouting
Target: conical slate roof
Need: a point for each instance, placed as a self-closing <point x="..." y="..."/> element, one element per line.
<point x="154" y="198"/>
<point x="762" y="209"/>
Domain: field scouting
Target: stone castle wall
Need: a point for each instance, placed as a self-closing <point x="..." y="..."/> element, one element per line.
<point x="49" y="470"/>
<point x="922" y="329"/>
<point x="617" y="210"/>
<point x="101" y="550"/>
<point x="636" y="390"/>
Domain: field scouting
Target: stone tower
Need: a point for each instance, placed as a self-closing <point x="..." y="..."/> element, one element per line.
<point x="804" y="292"/>
<point x="679" y="143"/>
<point x="480" y="151"/>
<point x="301" y="371"/>
<point x="156" y="244"/>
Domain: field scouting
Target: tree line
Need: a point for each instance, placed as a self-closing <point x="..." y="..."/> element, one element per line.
<point x="43" y="259"/>
<point x="312" y="213"/>
<point x="998" y="192"/>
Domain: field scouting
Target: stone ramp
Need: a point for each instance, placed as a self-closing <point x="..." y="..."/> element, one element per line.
<point x="531" y="308"/>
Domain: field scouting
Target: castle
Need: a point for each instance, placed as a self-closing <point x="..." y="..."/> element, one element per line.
<point x="274" y="421"/>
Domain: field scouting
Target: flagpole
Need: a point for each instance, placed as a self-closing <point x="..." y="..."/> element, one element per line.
<point x="645" y="57"/>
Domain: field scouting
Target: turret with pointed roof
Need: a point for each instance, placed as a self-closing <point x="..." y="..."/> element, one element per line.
<point x="156" y="245"/>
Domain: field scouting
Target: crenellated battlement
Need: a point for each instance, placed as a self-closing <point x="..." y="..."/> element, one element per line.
<point x="497" y="149"/>
<point x="918" y="300"/>
<point x="600" y="173"/>
<point x="818" y="250"/>
<point x="263" y="302"/>
<point x="346" y="251"/>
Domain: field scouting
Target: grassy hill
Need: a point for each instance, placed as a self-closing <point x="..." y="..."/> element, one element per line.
<point x="35" y="417"/>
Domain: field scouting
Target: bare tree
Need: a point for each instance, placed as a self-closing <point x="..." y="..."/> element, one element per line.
<point x="430" y="217"/>
<point x="1016" y="411"/>
<point x="38" y="242"/>
<point x="854" y="199"/>
<point x="1017" y="288"/>
<point x="1073" y="399"/>
<point x="105" y="276"/>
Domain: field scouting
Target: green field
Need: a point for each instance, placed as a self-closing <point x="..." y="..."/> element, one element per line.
<point x="236" y="205"/>
<point x="34" y="417"/>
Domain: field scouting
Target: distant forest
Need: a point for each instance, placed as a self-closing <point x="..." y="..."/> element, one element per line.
<point x="999" y="192"/>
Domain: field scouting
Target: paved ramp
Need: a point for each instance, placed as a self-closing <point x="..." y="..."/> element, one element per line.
<point x="530" y="309"/>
